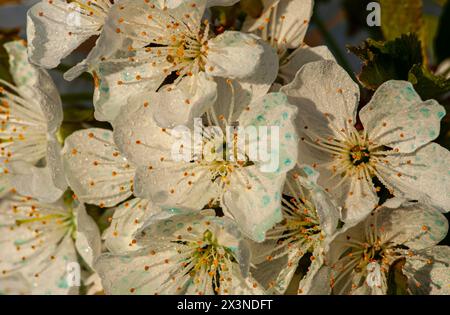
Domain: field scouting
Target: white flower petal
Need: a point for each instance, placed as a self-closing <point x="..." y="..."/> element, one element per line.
<point x="262" y="192"/>
<point x="188" y="100"/>
<point x="88" y="241"/>
<point x="14" y="284"/>
<point x="431" y="278"/>
<point x="416" y="226"/>
<point x="129" y="217"/>
<point x="34" y="181"/>
<point x="95" y="169"/>
<point x="423" y="175"/>
<point x="172" y="184"/>
<point x="360" y="200"/>
<point x="300" y="57"/>
<point x="288" y="21"/>
<point x="57" y="28"/>
<point x="397" y="117"/>
<point x="158" y="267"/>
<point x="35" y="86"/>
<point x="323" y="87"/>
<point x="137" y="134"/>
<point x="234" y="55"/>
<point x="274" y="112"/>
<point x="117" y="82"/>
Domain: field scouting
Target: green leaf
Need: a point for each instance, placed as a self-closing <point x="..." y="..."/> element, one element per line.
<point x="427" y="84"/>
<point x="390" y="60"/>
<point x="400" y="17"/>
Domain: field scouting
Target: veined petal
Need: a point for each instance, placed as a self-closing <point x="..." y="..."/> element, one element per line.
<point x="15" y="284"/>
<point x="117" y="82"/>
<point x="236" y="95"/>
<point x="58" y="27"/>
<point x="188" y="100"/>
<point x="54" y="163"/>
<point x="397" y="117"/>
<point x="423" y="175"/>
<point x="234" y="55"/>
<point x="37" y="182"/>
<point x="360" y="200"/>
<point x="327" y="211"/>
<point x="301" y="57"/>
<point x="128" y="219"/>
<point x="262" y="192"/>
<point x="87" y="239"/>
<point x="429" y="273"/>
<point x="415" y="225"/>
<point x="138" y="136"/>
<point x="284" y="23"/>
<point x="274" y="113"/>
<point x="95" y="169"/>
<point x="326" y="88"/>
<point x="172" y="184"/>
<point x="35" y="86"/>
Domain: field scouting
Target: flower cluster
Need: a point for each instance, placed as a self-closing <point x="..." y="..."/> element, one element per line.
<point x="229" y="162"/>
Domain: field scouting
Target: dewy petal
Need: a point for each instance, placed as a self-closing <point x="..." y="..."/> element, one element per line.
<point x="323" y="87"/>
<point x="128" y="218"/>
<point x="274" y="112"/>
<point x="35" y="85"/>
<point x="138" y="136"/>
<point x="55" y="164"/>
<point x="258" y="209"/>
<point x="188" y="100"/>
<point x="234" y="55"/>
<point x="423" y="175"/>
<point x="36" y="241"/>
<point x="246" y="91"/>
<point x="37" y="182"/>
<point x="115" y="83"/>
<point x="360" y="200"/>
<point x="415" y="225"/>
<point x="14" y="284"/>
<point x="87" y="239"/>
<point x="56" y="28"/>
<point x="164" y="263"/>
<point x="284" y="22"/>
<point x="172" y="184"/>
<point x="429" y="272"/>
<point x="95" y="169"/>
<point x="276" y="274"/>
<point x="397" y="117"/>
<point x="300" y="57"/>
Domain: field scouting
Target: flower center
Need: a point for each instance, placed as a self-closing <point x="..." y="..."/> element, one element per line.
<point x="208" y="257"/>
<point x="359" y="155"/>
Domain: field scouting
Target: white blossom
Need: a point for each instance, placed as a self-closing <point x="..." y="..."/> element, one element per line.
<point x="394" y="145"/>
